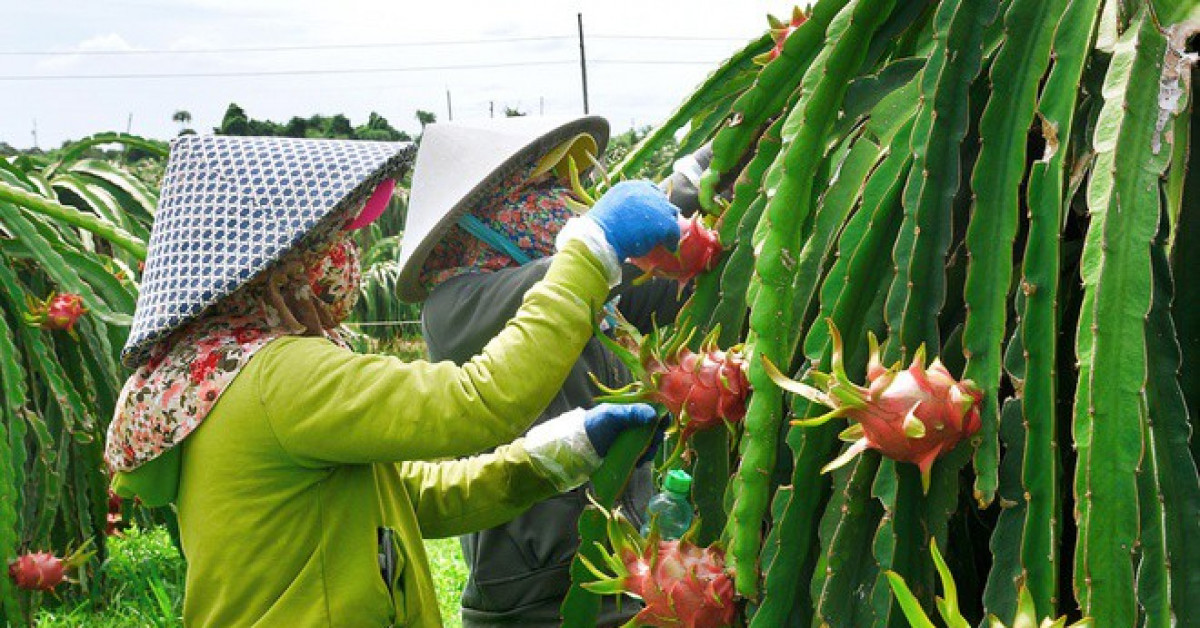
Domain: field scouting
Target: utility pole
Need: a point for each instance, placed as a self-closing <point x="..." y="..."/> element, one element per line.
<point x="35" y="144"/>
<point x="541" y="105"/>
<point x="582" y="63"/>
<point x="449" y="108"/>
<point x="491" y="109"/>
<point x="129" y="123"/>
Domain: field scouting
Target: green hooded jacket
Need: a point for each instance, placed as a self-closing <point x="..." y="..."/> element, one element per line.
<point x="312" y="449"/>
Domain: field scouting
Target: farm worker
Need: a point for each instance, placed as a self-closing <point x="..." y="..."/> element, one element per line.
<point x="497" y="214"/>
<point x="285" y="453"/>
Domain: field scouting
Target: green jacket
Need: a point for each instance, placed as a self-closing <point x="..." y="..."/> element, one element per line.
<point x="313" y="448"/>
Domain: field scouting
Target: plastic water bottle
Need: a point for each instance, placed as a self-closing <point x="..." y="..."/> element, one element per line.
<point x="671" y="509"/>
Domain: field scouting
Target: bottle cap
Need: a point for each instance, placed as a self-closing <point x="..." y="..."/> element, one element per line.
<point x="678" y="481"/>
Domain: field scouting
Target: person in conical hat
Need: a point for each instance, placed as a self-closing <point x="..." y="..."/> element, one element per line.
<point x="482" y="225"/>
<point x="288" y="456"/>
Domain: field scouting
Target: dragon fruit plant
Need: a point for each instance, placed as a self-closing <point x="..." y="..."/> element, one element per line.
<point x="682" y="585"/>
<point x="1026" y="614"/>
<point x="915" y="414"/>
<point x="701" y="389"/>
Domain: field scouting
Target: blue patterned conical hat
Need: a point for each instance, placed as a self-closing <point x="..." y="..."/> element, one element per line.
<point x="232" y="206"/>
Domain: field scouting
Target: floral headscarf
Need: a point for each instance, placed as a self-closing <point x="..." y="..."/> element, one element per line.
<point x="309" y="293"/>
<point x="528" y="210"/>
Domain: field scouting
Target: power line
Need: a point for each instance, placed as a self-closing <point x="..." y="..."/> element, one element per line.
<point x="81" y="77"/>
<point x="240" y="74"/>
<point x="455" y="42"/>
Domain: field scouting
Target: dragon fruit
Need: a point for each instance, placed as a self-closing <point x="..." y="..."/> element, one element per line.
<point x="57" y="312"/>
<point x="38" y="571"/>
<point x="699" y="251"/>
<point x="780" y="31"/>
<point x="700" y="389"/>
<point x="912" y="415"/>
<point x="112" y="527"/>
<point x="682" y="585"/>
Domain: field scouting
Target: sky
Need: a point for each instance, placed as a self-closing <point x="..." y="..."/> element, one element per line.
<point x="352" y="57"/>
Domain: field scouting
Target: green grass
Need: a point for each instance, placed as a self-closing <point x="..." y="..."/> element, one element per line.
<point x="449" y="576"/>
<point x="145" y="576"/>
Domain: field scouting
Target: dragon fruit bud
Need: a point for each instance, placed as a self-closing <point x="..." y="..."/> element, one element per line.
<point x="699" y="251"/>
<point x="780" y="31"/>
<point x="681" y="584"/>
<point x="57" y="312"/>
<point x="38" y="571"/>
<point x="915" y="415"/>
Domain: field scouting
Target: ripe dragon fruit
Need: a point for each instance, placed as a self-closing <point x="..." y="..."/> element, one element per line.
<point x="699" y="251"/>
<point x="780" y="31"/>
<point x="38" y="571"/>
<point x="681" y="584"/>
<point x="57" y="312"/>
<point x="911" y="415"/>
<point x="42" y="571"/>
<point x="700" y="389"/>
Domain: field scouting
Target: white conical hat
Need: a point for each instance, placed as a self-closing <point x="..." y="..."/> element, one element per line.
<point x="232" y="206"/>
<point x="459" y="162"/>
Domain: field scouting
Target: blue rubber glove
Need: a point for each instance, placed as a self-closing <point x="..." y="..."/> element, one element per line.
<point x="605" y="422"/>
<point x="636" y="217"/>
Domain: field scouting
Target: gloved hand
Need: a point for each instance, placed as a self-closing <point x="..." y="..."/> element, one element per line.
<point x="605" y="422"/>
<point x="635" y="217"/>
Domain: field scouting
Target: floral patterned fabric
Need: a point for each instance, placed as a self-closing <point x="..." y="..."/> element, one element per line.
<point x="528" y="210"/>
<point x="169" y="396"/>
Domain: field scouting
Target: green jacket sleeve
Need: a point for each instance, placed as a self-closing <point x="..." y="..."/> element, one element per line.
<point x="330" y="406"/>
<point x="462" y="496"/>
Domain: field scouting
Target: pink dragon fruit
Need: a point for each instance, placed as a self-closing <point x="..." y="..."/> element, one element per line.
<point x="37" y="571"/>
<point x="681" y="584"/>
<point x="700" y="389"/>
<point x="57" y="312"/>
<point x="912" y="415"/>
<point x="699" y="251"/>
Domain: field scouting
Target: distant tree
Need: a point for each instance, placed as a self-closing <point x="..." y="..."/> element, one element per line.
<point x="183" y="118"/>
<point x="296" y="127"/>
<point x="7" y="149"/>
<point x="234" y="122"/>
<point x="426" y="117"/>
<point x="339" y="127"/>
<point x="378" y="129"/>
<point x="513" y="112"/>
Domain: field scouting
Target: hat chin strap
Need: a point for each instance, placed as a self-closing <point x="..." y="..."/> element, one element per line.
<point x="493" y="238"/>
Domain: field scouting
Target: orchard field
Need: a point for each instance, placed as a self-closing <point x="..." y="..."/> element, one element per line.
<point x="940" y="363"/>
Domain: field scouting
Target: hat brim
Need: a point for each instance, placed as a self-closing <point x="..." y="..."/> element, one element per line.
<point x="442" y="192"/>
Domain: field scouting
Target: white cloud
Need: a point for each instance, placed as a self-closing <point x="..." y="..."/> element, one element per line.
<point x="98" y="43"/>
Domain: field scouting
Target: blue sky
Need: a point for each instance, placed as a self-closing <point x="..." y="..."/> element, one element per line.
<point x="531" y="74"/>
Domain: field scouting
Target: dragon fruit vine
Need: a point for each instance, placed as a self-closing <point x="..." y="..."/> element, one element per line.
<point x="681" y="584"/>
<point x="915" y="414"/>
<point x="701" y="389"/>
